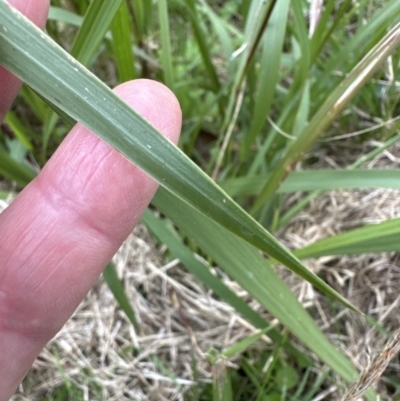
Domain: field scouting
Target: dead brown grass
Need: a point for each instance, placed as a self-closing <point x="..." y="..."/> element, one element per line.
<point x="180" y="319"/>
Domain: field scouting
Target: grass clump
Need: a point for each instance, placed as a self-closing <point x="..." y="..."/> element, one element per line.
<point x="273" y="93"/>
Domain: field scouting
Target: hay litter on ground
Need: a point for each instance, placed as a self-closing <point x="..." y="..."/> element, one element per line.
<point x="180" y="320"/>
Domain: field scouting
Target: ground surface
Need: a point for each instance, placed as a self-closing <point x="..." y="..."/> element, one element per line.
<point x="93" y="356"/>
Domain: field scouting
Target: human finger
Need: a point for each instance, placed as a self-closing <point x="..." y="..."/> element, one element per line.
<point x="65" y="226"/>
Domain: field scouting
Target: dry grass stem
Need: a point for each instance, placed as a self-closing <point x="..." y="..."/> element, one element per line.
<point x="373" y="371"/>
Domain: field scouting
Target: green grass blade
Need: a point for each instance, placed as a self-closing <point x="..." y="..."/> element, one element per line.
<point x="94" y="26"/>
<point x="221" y="29"/>
<point x="61" y="15"/>
<point x="49" y="124"/>
<point x="382" y="237"/>
<point x="303" y="42"/>
<point x="326" y="27"/>
<point x="122" y="46"/>
<point x="19" y="130"/>
<point x="14" y="171"/>
<point x="92" y="29"/>
<point x="269" y="74"/>
<point x="242" y="345"/>
<point x="340" y="179"/>
<point x="111" y="278"/>
<point x="271" y="367"/>
<point x="254" y="274"/>
<point x="256" y="23"/>
<point x="303" y="110"/>
<point x="329" y="110"/>
<point x="296" y="209"/>
<point x="142" y="17"/>
<point x="313" y="180"/>
<point x="255" y="29"/>
<point x="37" y="60"/>
<point x="35" y="104"/>
<point x="200" y="35"/>
<point x="359" y="162"/>
<point x="222" y="387"/>
<point x="166" y="52"/>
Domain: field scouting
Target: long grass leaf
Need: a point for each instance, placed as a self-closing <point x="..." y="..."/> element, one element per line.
<point x="61" y="15"/>
<point x="200" y="35"/>
<point x="14" y="171"/>
<point x="269" y="72"/>
<point x="122" y="45"/>
<point x="382" y="237"/>
<point x="94" y="26"/>
<point x="19" y="130"/>
<point x="49" y="124"/>
<point x="166" y="51"/>
<point x="37" y="105"/>
<point x="222" y="387"/>
<point x="359" y="162"/>
<point x="220" y="28"/>
<point x="116" y="287"/>
<point x="142" y="17"/>
<point x="37" y="60"/>
<point x="317" y="180"/>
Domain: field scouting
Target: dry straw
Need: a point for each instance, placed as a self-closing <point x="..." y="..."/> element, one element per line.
<point x="374" y="370"/>
<point x="181" y="320"/>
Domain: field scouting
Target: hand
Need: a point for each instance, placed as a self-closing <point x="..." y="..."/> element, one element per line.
<point x="64" y="227"/>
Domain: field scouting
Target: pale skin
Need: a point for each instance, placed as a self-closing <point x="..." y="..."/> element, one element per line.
<point x="61" y="231"/>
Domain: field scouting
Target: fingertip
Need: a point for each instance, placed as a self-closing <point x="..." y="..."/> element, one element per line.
<point x="156" y="103"/>
<point x="35" y="10"/>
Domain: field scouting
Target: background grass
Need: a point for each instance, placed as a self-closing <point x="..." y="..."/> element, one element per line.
<point x="260" y="84"/>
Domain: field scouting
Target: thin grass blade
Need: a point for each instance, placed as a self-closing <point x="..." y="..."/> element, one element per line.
<point x="200" y="35"/>
<point x="94" y="26"/>
<point x="116" y="287"/>
<point x="269" y="74"/>
<point x="122" y="44"/>
<point x="313" y="180"/>
<point x="166" y="55"/>
<point x="382" y="237"/>
<point x="14" y="171"/>
<point x="61" y="15"/>
<point x="19" y="130"/>
<point x="222" y="387"/>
